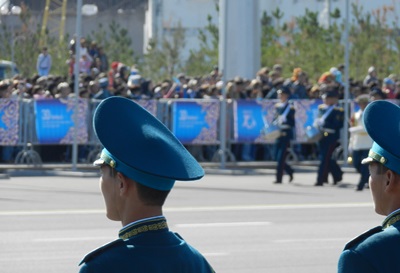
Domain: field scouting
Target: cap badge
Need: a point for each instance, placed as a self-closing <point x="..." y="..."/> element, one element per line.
<point x="108" y="160"/>
<point x="377" y="157"/>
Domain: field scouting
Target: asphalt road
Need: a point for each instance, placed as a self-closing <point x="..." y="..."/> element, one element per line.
<point x="241" y="223"/>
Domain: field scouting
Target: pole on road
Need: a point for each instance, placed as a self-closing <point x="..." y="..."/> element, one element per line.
<point x="223" y="4"/>
<point x="346" y="88"/>
<point x="76" y="82"/>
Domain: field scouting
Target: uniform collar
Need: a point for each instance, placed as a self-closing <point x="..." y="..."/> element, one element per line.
<point x="143" y="226"/>
<point x="391" y="219"/>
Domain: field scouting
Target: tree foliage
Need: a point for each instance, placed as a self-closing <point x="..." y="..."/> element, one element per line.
<point x="300" y="42"/>
<point x="116" y="43"/>
<point x="304" y="43"/>
<point x="374" y="42"/>
<point x="202" y="60"/>
<point x="307" y="40"/>
<point x="163" y="58"/>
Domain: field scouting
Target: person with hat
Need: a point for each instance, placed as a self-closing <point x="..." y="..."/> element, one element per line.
<point x="371" y="78"/>
<point x="103" y="92"/>
<point x="360" y="142"/>
<point x="329" y="122"/>
<point x="378" y="249"/>
<point x="5" y="89"/>
<point x="63" y="91"/>
<point x="388" y="87"/>
<point x="134" y="85"/>
<point x="285" y="119"/>
<point x="377" y="94"/>
<point x="139" y="164"/>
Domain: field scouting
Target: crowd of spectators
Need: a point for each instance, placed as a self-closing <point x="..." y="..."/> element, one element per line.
<point x="99" y="80"/>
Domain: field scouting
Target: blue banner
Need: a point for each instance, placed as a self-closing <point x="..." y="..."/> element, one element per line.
<point x="250" y="117"/>
<point x="54" y="121"/>
<point x="9" y="117"/>
<point x="306" y="113"/>
<point x="195" y="122"/>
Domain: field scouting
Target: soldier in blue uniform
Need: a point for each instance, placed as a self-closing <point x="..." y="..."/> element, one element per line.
<point x="378" y="250"/>
<point x="284" y="118"/>
<point x="139" y="164"/>
<point x="330" y="122"/>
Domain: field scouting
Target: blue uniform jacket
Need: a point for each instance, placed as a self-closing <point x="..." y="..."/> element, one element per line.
<point x="288" y="124"/>
<point x="377" y="250"/>
<point x="333" y="122"/>
<point x="147" y="247"/>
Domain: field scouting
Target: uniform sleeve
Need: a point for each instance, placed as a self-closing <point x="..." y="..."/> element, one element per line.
<point x="352" y="262"/>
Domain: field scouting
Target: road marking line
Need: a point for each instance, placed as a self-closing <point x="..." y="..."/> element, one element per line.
<point x="195" y="209"/>
<point x="215" y="254"/>
<point x="272" y="207"/>
<point x="49" y="212"/>
<point x="69" y="239"/>
<point x="233" y="224"/>
<point x="311" y="240"/>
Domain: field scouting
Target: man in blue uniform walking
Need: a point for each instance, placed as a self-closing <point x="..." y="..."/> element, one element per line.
<point x="378" y="250"/>
<point x="284" y="118"/>
<point x="330" y="122"/>
<point x="139" y="164"/>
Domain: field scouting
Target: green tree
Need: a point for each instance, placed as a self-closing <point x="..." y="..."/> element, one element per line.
<point x="373" y="42"/>
<point x="301" y="42"/>
<point x="271" y="46"/>
<point x="313" y="47"/>
<point x="163" y="58"/>
<point x="116" y="43"/>
<point x="23" y="47"/>
<point x="201" y="61"/>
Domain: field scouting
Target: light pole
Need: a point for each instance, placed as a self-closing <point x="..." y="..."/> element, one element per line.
<point x="346" y="87"/>
<point x="223" y="4"/>
<point x="88" y="10"/>
<point x="76" y="82"/>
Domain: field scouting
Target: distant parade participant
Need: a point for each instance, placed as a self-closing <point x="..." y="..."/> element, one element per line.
<point x="284" y="118"/>
<point x="378" y="249"/>
<point x="139" y="164"/>
<point x="360" y="141"/>
<point x="330" y="122"/>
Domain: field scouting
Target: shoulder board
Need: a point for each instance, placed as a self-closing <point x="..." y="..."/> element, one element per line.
<point x="321" y="106"/>
<point x="278" y="104"/>
<point x="359" y="239"/>
<point x="339" y="108"/>
<point x="100" y="250"/>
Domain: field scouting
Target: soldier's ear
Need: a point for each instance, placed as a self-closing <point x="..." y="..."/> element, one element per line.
<point x="392" y="181"/>
<point x="124" y="183"/>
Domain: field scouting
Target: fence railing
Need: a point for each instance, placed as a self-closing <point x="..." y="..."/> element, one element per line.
<point x="27" y="123"/>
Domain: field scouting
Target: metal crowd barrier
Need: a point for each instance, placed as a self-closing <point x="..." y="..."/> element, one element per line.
<point x="27" y="123"/>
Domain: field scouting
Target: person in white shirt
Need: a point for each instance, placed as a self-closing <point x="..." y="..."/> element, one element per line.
<point x="360" y="142"/>
<point x="43" y="64"/>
